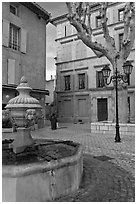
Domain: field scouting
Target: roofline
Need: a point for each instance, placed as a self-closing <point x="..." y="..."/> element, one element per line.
<point x="58" y="18"/>
<point x="38" y="10"/>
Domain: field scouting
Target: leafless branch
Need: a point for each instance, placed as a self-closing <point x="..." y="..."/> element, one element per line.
<point x="129" y="29"/>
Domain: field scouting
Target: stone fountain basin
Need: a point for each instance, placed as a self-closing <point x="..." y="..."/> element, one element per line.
<point x="42" y="181"/>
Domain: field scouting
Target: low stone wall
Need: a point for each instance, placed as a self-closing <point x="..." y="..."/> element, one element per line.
<point x="109" y="128"/>
<point x="42" y="181"/>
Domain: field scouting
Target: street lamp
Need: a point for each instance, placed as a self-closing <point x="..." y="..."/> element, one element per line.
<point x="127" y="67"/>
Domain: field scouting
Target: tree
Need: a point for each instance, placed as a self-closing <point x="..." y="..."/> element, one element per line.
<point x="79" y="15"/>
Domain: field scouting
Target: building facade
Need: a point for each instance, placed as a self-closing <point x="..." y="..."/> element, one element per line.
<point x="81" y="95"/>
<point x="23" y="49"/>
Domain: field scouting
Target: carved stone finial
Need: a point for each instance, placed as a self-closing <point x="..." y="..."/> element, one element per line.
<point x="23" y="80"/>
<point x="23" y="83"/>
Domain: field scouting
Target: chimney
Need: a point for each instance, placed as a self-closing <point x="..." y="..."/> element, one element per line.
<point x="51" y="77"/>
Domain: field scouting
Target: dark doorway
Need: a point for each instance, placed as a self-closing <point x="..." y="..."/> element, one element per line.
<point x="102" y="108"/>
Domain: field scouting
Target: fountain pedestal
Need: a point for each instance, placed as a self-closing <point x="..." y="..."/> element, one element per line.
<point x="22" y="140"/>
<point x="22" y="109"/>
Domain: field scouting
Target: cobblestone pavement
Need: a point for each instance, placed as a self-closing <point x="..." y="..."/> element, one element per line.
<point x="109" y="175"/>
<point x="123" y="153"/>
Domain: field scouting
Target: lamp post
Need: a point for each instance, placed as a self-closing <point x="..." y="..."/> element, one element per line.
<point x="127" y="67"/>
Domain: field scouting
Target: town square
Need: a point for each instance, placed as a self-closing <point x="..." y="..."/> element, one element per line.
<point x="68" y="102"/>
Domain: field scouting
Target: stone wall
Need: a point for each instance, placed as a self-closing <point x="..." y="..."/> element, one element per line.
<point x="109" y="128"/>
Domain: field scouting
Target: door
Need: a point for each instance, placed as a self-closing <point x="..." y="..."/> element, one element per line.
<point x="102" y="108"/>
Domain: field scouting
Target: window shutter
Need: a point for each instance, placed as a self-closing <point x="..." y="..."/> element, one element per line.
<point x="5" y="33"/>
<point x="23" y="40"/>
<point x="71" y="81"/>
<point x="11" y="71"/>
<point x="96" y="79"/>
<point x="86" y="80"/>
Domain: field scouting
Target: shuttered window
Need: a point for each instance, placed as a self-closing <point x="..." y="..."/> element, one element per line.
<point x="67" y="82"/>
<point x="81" y="78"/>
<point x="121" y="14"/>
<point x="100" y="80"/>
<point x="81" y="81"/>
<point x="14" y="37"/>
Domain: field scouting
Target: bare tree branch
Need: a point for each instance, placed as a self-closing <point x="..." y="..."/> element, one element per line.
<point x="129" y="30"/>
<point x="104" y="20"/>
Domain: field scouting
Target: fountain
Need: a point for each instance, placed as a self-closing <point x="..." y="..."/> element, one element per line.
<point x="36" y="170"/>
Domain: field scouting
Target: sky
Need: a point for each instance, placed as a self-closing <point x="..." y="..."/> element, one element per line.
<point x="56" y="9"/>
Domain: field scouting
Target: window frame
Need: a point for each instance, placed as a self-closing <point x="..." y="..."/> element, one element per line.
<point x="119" y="15"/>
<point x="120" y="41"/>
<point x="98" y="23"/>
<point x="16" y="9"/>
<point x="80" y="87"/>
<point x="65" y="82"/>
<point x="14" y="37"/>
<point x="98" y="80"/>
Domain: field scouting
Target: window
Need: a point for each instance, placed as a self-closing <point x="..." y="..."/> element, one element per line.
<point x="67" y="82"/>
<point x="100" y="80"/>
<point x="14" y="37"/>
<point x="81" y="80"/>
<point x="98" y="21"/>
<point x="121" y="14"/>
<point x="120" y="40"/>
<point x="13" y="9"/>
<point x="65" y="31"/>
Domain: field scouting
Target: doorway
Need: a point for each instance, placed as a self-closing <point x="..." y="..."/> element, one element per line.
<point x="102" y="109"/>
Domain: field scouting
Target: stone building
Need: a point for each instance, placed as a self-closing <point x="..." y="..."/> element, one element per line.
<point x="81" y="95"/>
<point x="23" y="48"/>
